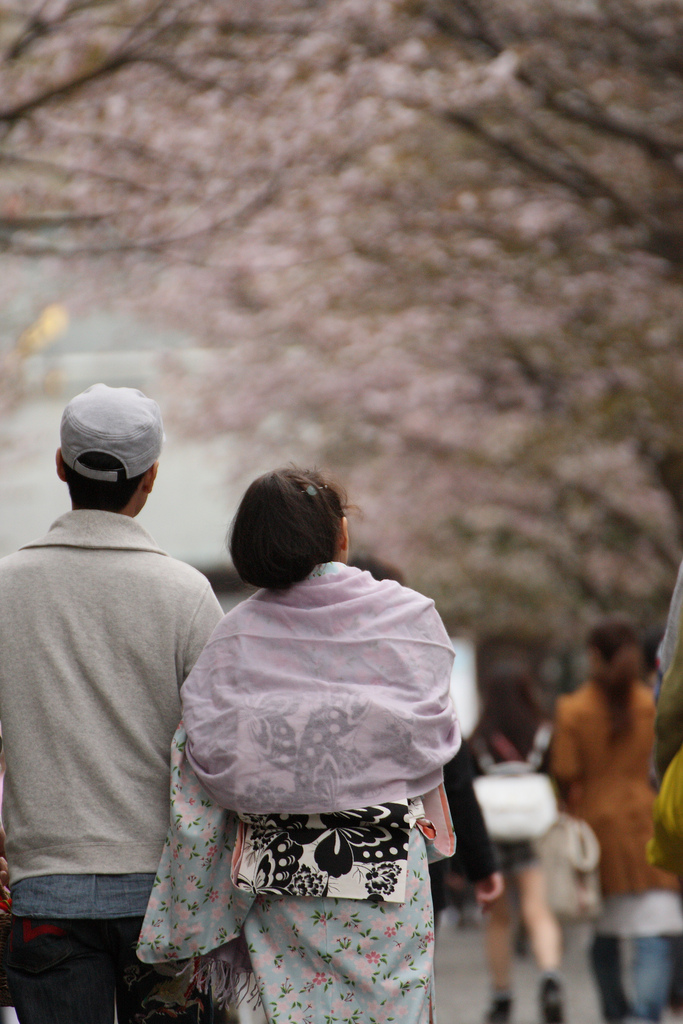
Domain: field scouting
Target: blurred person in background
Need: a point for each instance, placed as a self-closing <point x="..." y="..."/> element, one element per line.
<point x="669" y="641"/>
<point x="511" y="726"/>
<point x="669" y="737"/>
<point x="601" y="760"/>
<point x="475" y="854"/>
<point x="658" y="651"/>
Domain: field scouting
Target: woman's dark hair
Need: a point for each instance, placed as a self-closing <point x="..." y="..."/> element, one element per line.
<point x="104" y="495"/>
<point x="510" y="708"/>
<point x="288" y="522"/>
<point x="608" y="636"/>
<point x="611" y="633"/>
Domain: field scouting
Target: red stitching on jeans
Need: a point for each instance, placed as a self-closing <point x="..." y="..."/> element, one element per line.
<point x="32" y="932"/>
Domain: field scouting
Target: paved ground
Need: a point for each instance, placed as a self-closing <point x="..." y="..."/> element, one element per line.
<point x="462" y="985"/>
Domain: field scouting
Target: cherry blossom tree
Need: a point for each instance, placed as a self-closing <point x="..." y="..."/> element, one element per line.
<point x="433" y="245"/>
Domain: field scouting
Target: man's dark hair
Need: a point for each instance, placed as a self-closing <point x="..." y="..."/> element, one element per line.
<point x="104" y="495"/>
<point x="288" y="522"/>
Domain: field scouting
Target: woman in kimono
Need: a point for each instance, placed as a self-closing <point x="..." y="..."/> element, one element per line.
<point x="319" y="716"/>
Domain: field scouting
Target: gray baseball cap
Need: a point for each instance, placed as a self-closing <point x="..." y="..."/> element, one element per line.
<point x="121" y="422"/>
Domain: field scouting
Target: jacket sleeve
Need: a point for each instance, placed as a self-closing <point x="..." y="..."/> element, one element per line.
<point x="565" y="760"/>
<point x="474" y="847"/>
<point x="669" y="719"/>
<point x="207" y="616"/>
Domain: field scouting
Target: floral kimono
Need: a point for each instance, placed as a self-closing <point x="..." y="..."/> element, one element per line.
<point x="311" y="957"/>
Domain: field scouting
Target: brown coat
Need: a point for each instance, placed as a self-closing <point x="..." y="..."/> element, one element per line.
<point x="609" y="783"/>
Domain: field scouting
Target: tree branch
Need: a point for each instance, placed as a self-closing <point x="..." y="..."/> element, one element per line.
<point x="567" y="97"/>
<point x="571" y="175"/>
<point x="174" y="69"/>
<point x="53" y="167"/>
<point x="49" y="221"/>
<point x="124" y="53"/>
<point x="21" y="109"/>
<point x="561" y="168"/>
<point x="37" y="27"/>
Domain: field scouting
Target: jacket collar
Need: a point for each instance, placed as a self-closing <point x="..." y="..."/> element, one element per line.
<point x="90" y="528"/>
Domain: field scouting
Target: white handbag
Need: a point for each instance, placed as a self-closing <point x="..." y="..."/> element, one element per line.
<point x="570" y="855"/>
<point x="517" y="804"/>
<point x="517" y="801"/>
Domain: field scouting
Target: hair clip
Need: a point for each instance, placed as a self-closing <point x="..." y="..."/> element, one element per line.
<point x="311" y="490"/>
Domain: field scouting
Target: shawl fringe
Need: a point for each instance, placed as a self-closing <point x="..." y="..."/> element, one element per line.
<point x="230" y="978"/>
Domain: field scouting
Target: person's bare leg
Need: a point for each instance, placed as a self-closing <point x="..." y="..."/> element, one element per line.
<point x="545" y="934"/>
<point x="499" y="957"/>
<point x="545" y="937"/>
<point x="498" y="943"/>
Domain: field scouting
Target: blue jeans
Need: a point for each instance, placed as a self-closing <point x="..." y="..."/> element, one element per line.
<point x="651" y="969"/>
<point x="74" y="971"/>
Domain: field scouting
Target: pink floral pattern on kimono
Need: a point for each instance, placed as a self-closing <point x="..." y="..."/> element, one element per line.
<point x="193" y="909"/>
<point x="321" y="959"/>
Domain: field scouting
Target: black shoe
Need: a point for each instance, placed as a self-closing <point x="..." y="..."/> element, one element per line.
<point x="499" y="1011"/>
<point x="552" y="1004"/>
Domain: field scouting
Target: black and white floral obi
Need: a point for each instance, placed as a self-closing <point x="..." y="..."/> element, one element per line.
<point x="359" y="854"/>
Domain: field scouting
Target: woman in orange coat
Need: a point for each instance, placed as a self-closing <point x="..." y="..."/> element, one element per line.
<point x="601" y="759"/>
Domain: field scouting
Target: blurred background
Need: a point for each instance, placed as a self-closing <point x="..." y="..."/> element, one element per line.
<point x="432" y="246"/>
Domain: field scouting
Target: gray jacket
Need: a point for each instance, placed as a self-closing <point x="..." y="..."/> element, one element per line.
<point x="98" y="629"/>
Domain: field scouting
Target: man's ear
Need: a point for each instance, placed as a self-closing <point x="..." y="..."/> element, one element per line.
<point x="147" y="482"/>
<point x="60" y="465"/>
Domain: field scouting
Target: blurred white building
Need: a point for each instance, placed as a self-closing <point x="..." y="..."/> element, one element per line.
<point x="464" y="685"/>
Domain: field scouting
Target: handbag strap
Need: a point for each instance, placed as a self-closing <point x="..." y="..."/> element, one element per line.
<point x="534" y="759"/>
<point x="582" y="845"/>
<point x="482" y="754"/>
<point x="540" y="745"/>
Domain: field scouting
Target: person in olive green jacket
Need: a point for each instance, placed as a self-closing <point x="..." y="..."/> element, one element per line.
<point x="601" y="758"/>
<point x="669" y="720"/>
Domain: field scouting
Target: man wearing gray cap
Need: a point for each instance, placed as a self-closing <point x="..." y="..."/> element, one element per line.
<point x="99" y="629"/>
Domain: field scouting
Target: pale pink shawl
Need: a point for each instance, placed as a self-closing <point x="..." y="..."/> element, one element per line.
<point x="330" y="695"/>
